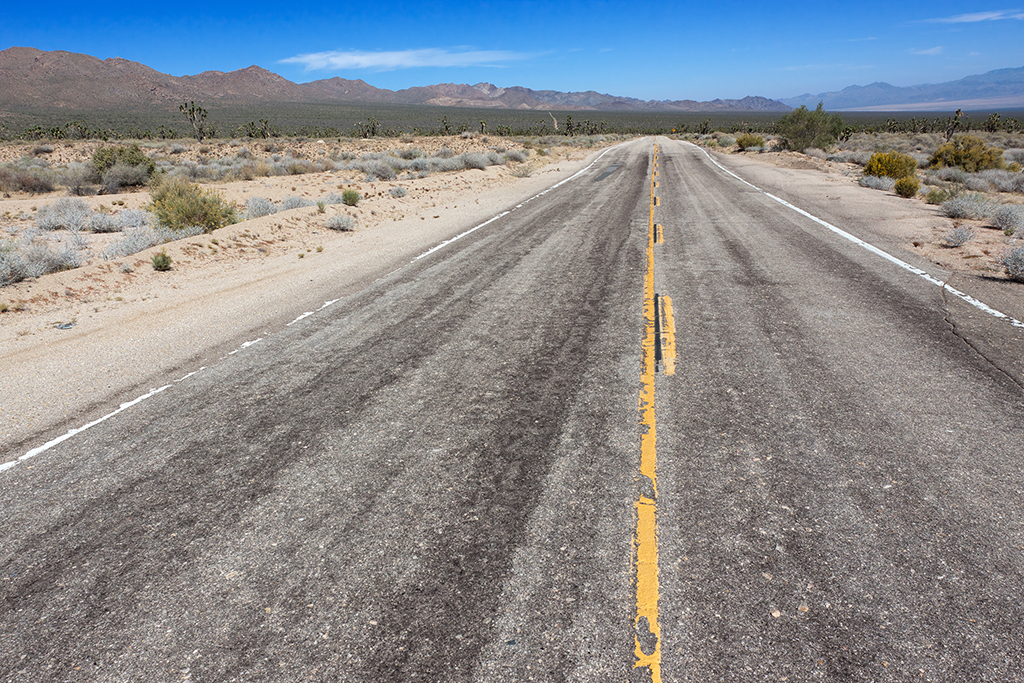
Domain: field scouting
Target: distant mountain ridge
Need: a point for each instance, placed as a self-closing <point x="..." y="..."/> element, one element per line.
<point x="1002" y="88"/>
<point x="31" y="78"/>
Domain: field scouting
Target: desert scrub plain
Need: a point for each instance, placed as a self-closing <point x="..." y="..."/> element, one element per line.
<point x="971" y="184"/>
<point x="104" y="208"/>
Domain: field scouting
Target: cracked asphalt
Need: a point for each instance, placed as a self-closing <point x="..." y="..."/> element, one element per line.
<point x="435" y="478"/>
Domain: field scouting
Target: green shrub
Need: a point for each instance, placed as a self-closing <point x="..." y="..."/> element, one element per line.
<point x="969" y="153"/>
<point x="891" y="164"/>
<point x="749" y="140"/>
<point x="907" y="186"/>
<point x="105" y="158"/>
<point x="160" y="261"/>
<point x="802" y="128"/>
<point x="178" y="204"/>
<point x="350" y="197"/>
<point x="936" y="196"/>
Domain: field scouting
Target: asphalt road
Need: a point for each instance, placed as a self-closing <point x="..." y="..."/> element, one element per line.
<point x="438" y="478"/>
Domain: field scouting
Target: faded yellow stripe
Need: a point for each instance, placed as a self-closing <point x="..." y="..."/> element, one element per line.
<point x="645" y="540"/>
<point x="668" y="335"/>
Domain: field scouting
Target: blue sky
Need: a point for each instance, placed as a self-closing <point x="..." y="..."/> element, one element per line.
<point x="649" y="50"/>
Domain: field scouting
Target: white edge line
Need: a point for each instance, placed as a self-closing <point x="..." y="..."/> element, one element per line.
<point x="875" y="250"/>
<point x="517" y="206"/>
<point x="64" y="437"/>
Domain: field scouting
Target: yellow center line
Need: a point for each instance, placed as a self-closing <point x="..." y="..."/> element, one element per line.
<point x="645" y="540"/>
<point x="668" y="335"/>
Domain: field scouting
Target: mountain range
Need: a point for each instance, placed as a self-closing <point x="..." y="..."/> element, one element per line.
<point x="999" y="89"/>
<point x="34" y="79"/>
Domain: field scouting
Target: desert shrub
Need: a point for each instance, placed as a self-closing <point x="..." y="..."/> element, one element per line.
<point x="80" y="179"/>
<point x="257" y="207"/>
<point x="1013" y="262"/>
<point x="133" y="218"/>
<point x="516" y="155"/>
<point x="397" y="192"/>
<point x="350" y="197"/>
<point x="970" y="206"/>
<point x="294" y="202"/>
<point x="1014" y="155"/>
<point x="1009" y="219"/>
<point x="31" y="256"/>
<point x="42" y="149"/>
<point x="876" y="182"/>
<point x="958" y="236"/>
<point x="726" y="141"/>
<point x="907" y="186"/>
<point x="136" y="239"/>
<point x="802" y="128"/>
<point x="951" y="174"/>
<point x="333" y="198"/>
<point x="376" y="169"/>
<point x="63" y="214"/>
<point x="969" y="153"/>
<point x="936" y="196"/>
<point x="105" y="158"/>
<point x="178" y="148"/>
<point x="12" y="266"/>
<point x="340" y="222"/>
<point x="103" y="222"/>
<point x="748" y="140"/>
<point x="477" y="161"/>
<point x="161" y="261"/>
<point x="34" y="181"/>
<point x="890" y="164"/>
<point x="178" y="204"/>
<point x="1000" y="180"/>
<point x="816" y="153"/>
<point x="409" y="153"/>
<point x="849" y="156"/>
<point x="445" y="153"/>
<point x="120" y="176"/>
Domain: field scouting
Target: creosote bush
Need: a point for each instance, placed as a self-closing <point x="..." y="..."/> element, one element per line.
<point x="178" y="204"/>
<point x="350" y="197"/>
<point x="802" y="128"/>
<point x="969" y="153"/>
<point x="105" y="158"/>
<point x="891" y="164"/>
<point x="907" y="186"/>
<point x="748" y="140"/>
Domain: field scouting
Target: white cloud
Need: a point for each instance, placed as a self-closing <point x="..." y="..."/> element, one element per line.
<point x="932" y="51"/>
<point x="404" y="59"/>
<point x="975" y="17"/>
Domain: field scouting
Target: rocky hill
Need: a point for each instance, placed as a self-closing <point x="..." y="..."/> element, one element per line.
<point x="34" y="79"/>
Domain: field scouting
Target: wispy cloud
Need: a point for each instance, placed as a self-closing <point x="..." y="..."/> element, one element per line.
<point x="404" y="59"/>
<point x="974" y="17"/>
<point x="931" y="52"/>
